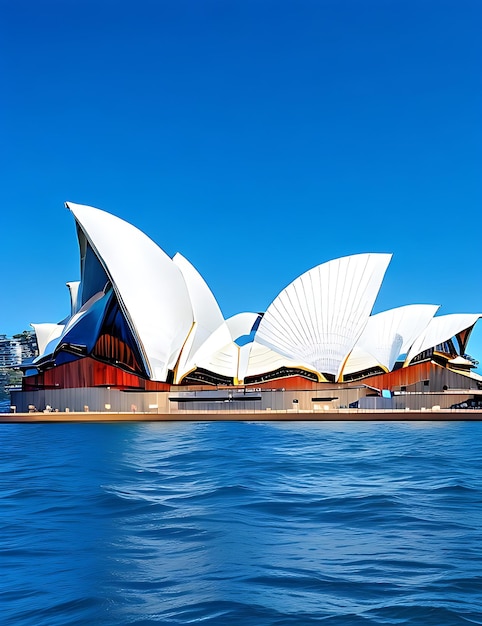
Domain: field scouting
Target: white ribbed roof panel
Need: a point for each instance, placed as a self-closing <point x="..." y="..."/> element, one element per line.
<point x="389" y="334"/>
<point x="224" y="361"/>
<point x="258" y="359"/>
<point x="359" y="360"/>
<point x="319" y="317"/>
<point x="206" y="313"/>
<point x="217" y="354"/>
<point x="150" y="288"/>
<point x="440" y="329"/>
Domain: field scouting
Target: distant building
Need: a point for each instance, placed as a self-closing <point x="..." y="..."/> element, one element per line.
<point x="10" y="352"/>
<point x="27" y="341"/>
<point x="13" y="351"/>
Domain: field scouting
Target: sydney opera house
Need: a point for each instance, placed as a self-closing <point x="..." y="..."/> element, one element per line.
<point x="145" y="332"/>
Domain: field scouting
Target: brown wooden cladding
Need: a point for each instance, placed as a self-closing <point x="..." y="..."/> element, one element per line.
<point x="88" y="372"/>
<point x="109" y="348"/>
<point x="403" y="377"/>
<point x="426" y="376"/>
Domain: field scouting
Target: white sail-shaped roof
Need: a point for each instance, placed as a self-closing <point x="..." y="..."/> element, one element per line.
<point x="440" y="329"/>
<point x="221" y="355"/>
<point x="359" y="361"/>
<point x="319" y="317"/>
<point x="218" y="354"/>
<point x="150" y="288"/>
<point x="73" y="287"/>
<point x="387" y="335"/>
<point x="47" y="336"/>
<point x="258" y="359"/>
<point x="207" y="316"/>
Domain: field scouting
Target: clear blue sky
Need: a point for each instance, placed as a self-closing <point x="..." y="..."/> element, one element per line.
<point x="258" y="138"/>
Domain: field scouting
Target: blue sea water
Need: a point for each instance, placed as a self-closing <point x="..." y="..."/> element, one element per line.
<point x="229" y="523"/>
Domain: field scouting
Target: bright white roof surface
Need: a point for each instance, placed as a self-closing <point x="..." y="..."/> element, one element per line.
<point x="149" y="287"/>
<point x="207" y="316"/>
<point x="47" y="337"/>
<point x="319" y="317"/>
<point x="73" y="288"/>
<point x="241" y="324"/>
<point x="440" y="329"/>
<point x="257" y="359"/>
<point x="217" y="354"/>
<point x="238" y="362"/>
<point x="387" y="335"/>
<point x="359" y="360"/>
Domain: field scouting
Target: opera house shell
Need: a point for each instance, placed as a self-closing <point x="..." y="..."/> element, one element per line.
<point x="140" y="319"/>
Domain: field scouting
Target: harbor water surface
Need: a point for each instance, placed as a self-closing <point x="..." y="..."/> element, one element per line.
<point x="350" y="523"/>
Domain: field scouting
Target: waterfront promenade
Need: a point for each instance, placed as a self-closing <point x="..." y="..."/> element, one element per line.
<point x="342" y="415"/>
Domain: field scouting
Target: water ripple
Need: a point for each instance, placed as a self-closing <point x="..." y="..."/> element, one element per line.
<point x="241" y="523"/>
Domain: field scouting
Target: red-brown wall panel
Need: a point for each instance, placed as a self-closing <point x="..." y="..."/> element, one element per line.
<point x="88" y="372"/>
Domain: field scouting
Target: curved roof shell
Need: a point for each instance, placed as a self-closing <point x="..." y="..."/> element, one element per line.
<point x="207" y="316"/>
<point x="242" y="324"/>
<point x="388" y="335"/>
<point x="319" y="317"/>
<point x="258" y="359"/>
<point x="218" y="354"/>
<point x="48" y="336"/>
<point x="141" y="274"/>
<point x="441" y="329"/>
<point x="74" y="287"/>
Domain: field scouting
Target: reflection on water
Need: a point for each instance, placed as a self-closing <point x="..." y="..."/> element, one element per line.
<point x="241" y="523"/>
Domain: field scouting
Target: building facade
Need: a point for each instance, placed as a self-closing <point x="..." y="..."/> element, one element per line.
<point x="14" y="351"/>
<point x="144" y="322"/>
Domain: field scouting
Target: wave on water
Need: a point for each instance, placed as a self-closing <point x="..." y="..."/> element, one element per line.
<point x="4" y="406"/>
<point x="265" y="524"/>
